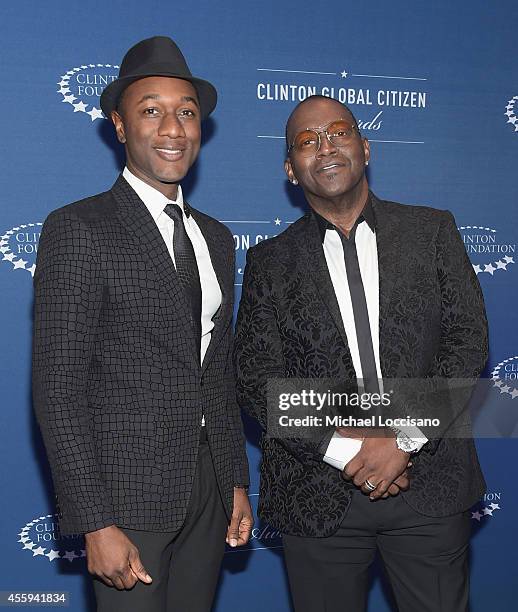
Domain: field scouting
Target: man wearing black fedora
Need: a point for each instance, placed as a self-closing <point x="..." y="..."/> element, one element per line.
<point x="132" y="378"/>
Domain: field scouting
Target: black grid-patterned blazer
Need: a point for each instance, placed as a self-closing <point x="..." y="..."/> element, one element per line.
<point x="117" y="387"/>
<point x="432" y="325"/>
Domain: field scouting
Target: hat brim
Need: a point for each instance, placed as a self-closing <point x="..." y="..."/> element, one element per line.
<point x="207" y="94"/>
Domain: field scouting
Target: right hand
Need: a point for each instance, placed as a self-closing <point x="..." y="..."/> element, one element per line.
<point x="113" y="558"/>
<point x="402" y="483"/>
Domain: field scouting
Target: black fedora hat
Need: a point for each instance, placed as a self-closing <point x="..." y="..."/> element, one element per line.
<point x="157" y="56"/>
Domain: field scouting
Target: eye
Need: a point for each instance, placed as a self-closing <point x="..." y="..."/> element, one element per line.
<point x="305" y="140"/>
<point x="151" y="111"/>
<point x="187" y="112"/>
<point x="342" y="132"/>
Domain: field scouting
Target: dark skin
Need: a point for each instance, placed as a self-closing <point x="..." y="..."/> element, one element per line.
<point x="335" y="185"/>
<point x="159" y="124"/>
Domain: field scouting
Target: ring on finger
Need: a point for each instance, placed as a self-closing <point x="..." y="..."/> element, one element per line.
<point x="368" y="485"/>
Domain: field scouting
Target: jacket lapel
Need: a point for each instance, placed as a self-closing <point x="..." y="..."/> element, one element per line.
<point x="389" y="265"/>
<point x="134" y="215"/>
<point x="223" y="264"/>
<point x="315" y="265"/>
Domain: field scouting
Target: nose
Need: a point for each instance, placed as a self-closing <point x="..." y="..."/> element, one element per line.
<point x="325" y="146"/>
<point x="171" y="126"/>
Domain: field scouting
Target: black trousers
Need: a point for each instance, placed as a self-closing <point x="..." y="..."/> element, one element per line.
<point x="184" y="564"/>
<point x="426" y="560"/>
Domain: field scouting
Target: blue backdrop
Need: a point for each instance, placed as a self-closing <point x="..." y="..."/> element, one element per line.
<point x="435" y="88"/>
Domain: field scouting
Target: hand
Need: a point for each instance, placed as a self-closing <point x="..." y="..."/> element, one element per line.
<point x="240" y="528"/>
<point x="113" y="558"/>
<point x="402" y="483"/>
<point x="382" y="463"/>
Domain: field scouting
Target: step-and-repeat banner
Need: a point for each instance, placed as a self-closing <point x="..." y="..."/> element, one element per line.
<point x="434" y="87"/>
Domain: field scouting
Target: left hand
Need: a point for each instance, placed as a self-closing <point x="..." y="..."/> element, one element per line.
<point x="380" y="461"/>
<point x="240" y="528"/>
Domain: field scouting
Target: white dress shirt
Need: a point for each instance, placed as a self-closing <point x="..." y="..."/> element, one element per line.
<point x="341" y="450"/>
<point x="210" y="290"/>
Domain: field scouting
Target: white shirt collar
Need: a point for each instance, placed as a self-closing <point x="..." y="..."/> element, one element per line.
<point x="154" y="200"/>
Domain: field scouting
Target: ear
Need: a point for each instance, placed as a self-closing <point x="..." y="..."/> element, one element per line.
<point x="289" y="172"/>
<point x="119" y="126"/>
<point x="366" y="150"/>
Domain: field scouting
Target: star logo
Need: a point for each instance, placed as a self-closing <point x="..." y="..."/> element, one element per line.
<point x="343" y="74"/>
<point x="53" y="554"/>
<point x="18" y="246"/>
<point x="480" y="240"/>
<point x="69" y="98"/>
<point x="82" y="86"/>
<point x="500" y="375"/>
<point x="512" y="119"/>
<point x="485" y="511"/>
<point x="95" y="113"/>
<point x="40" y="529"/>
<point x="80" y="107"/>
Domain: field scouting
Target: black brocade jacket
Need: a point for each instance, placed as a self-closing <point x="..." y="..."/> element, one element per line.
<point x="432" y="325"/>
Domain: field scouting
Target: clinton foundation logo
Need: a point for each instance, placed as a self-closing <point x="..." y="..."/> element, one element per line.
<point x="19" y="245"/>
<point x="510" y="113"/>
<point x="490" y="251"/>
<point x="81" y="87"/>
<point x="505" y="377"/>
<point x="487" y="508"/>
<point x="42" y="538"/>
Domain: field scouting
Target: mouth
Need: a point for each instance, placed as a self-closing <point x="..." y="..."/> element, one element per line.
<point x="169" y="153"/>
<point x="329" y="167"/>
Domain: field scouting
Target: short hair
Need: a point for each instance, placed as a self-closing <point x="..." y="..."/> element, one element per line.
<point x="118" y="106"/>
<point x="315" y="97"/>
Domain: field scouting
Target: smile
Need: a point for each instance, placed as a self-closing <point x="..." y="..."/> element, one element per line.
<point x="169" y="154"/>
<point x="330" y="167"/>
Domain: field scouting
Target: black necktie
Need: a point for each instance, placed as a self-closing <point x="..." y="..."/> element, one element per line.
<point x="361" y="314"/>
<point x="186" y="268"/>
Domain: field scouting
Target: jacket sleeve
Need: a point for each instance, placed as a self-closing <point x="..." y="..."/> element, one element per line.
<point x="463" y="345"/>
<point x="235" y="422"/>
<point x="241" y="472"/>
<point x="258" y="357"/>
<point x="67" y="300"/>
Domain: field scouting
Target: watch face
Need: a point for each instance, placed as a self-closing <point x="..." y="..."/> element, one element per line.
<point x="406" y="444"/>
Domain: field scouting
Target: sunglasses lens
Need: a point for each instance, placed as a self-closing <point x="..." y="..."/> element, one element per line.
<point x="340" y="132"/>
<point x="306" y="142"/>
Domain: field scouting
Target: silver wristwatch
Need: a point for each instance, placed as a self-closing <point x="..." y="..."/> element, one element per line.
<point x="405" y="442"/>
